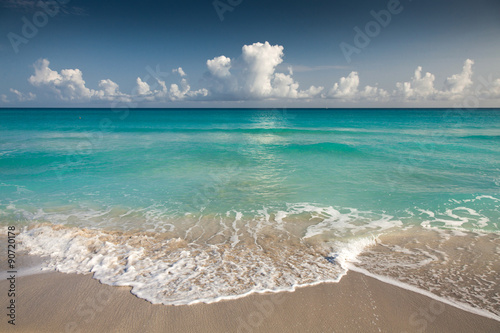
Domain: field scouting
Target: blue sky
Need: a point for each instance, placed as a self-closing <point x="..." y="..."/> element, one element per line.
<point x="262" y="53"/>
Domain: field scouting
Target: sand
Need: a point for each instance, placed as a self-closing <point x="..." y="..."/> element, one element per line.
<point x="58" y="302"/>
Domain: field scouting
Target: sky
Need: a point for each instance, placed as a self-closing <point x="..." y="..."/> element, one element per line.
<point x="250" y="53"/>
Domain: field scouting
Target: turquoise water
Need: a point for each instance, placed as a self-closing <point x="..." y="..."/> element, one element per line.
<point x="307" y="178"/>
<point x="243" y="160"/>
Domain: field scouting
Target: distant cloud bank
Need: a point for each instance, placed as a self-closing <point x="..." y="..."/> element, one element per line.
<point x="252" y="76"/>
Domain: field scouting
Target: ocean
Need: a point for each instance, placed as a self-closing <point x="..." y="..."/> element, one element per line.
<point x="199" y="205"/>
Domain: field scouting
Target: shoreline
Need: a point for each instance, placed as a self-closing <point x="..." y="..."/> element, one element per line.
<point x="60" y="302"/>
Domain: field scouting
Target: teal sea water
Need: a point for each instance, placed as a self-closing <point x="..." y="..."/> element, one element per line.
<point x="189" y="205"/>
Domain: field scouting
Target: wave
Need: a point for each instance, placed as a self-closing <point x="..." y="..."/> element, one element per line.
<point x="207" y="258"/>
<point x="173" y="271"/>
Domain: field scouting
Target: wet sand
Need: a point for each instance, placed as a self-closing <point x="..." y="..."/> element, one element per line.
<point x="58" y="302"/>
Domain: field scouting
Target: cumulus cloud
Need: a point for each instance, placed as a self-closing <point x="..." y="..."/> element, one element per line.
<point x="161" y="93"/>
<point x="253" y="75"/>
<point x="261" y="61"/>
<point x="420" y="87"/>
<point x="256" y="78"/>
<point x="110" y="92"/>
<point x="347" y="89"/>
<point x="180" y="71"/>
<point x="68" y="85"/>
<point x="219" y="66"/>
<point x="458" y="83"/>
<point x="283" y="85"/>
<point x="177" y="93"/>
<point x="142" y="87"/>
<point x="489" y="88"/>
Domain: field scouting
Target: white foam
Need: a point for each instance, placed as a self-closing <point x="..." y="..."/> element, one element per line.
<point x="480" y="197"/>
<point x="171" y="272"/>
<point x="222" y="256"/>
<point x="458" y="218"/>
<point x="342" y="224"/>
<point x="347" y="252"/>
<point x="235" y="237"/>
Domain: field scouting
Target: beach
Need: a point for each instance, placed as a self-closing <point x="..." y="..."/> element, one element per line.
<point x="58" y="302"/>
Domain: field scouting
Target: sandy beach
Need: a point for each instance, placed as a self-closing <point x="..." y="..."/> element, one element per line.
<point x="58" y="302"/>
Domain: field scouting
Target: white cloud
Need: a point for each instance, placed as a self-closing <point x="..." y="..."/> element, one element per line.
<point x="420" y="87"/>
<point x="142" y="87"/>
<point x="22" y="97"/>
<point x="374" y="94"/>
<point x="311" y="92"/>
<point x="68" y="85"/>
<point x="43" y="74"/>
<point x="177" y="92"/>
<point x="110" y="91"/>
<point x="219" y="66"/>
<point x="347" y="89"/>
<point x="251" y="76"/>
<point x="284" y="86"/>
<point x="256" y="78"/>
<point x="457" y="84"/>
<point x="261" y="61"/>
<point x="180" y="71"/>
<point x="492" y="88"/>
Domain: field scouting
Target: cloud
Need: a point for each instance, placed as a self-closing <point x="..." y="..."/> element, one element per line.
<point x="261" y="61"/>
<point x="142" y="87"/>
<point x="420" y="87"/>
<point x="67" y="85"/>
<point x="492" y="88"/>
<point x="256" y="77"/>
<point x="347" y="89"/>
<point x="177" y="92"/>
<point x="458" y="83"/>
<point x="252" y="76"/>
<point x="219" y="66"/>
<point x="180" y="71"/>
<point x="110" y="92"/>
<point x="23" y="97"/>
<point x="17" y="96"/>
<point x="43" y="74"/>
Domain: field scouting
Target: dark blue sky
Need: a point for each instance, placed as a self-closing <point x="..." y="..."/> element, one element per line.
<point x="117" y="40"/>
